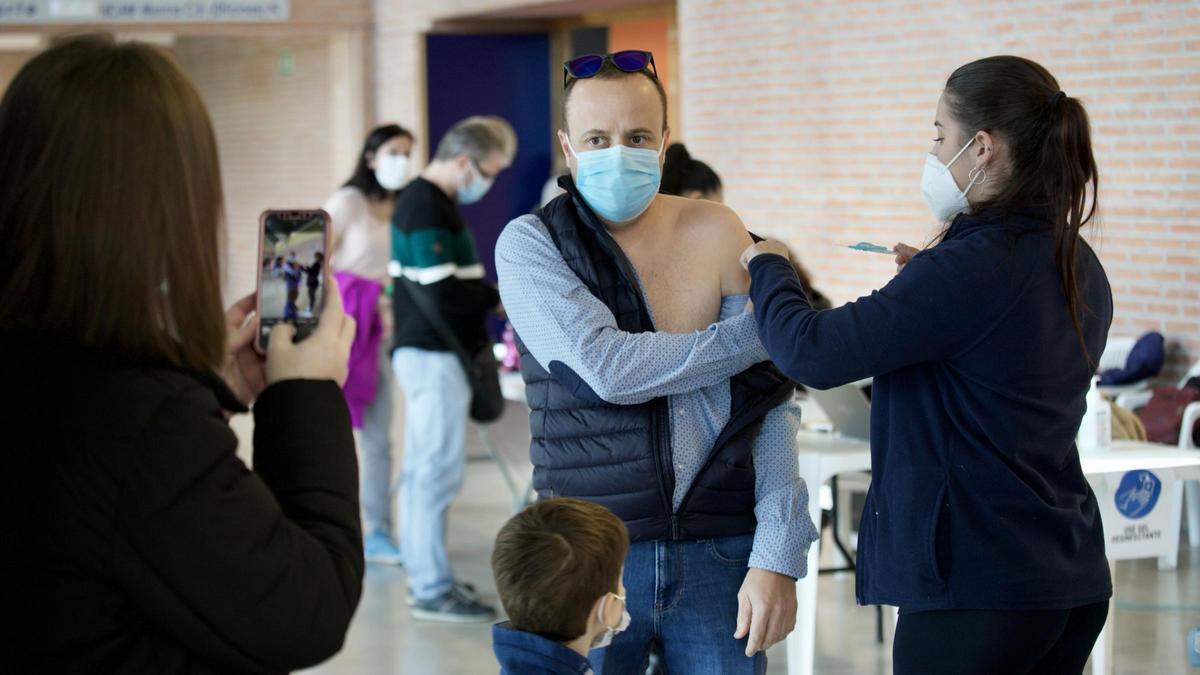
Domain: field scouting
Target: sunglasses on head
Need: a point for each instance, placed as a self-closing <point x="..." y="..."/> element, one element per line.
<point x="629" y="61"/>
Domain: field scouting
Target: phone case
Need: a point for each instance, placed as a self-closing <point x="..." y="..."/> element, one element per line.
<point x="307" y="321"/>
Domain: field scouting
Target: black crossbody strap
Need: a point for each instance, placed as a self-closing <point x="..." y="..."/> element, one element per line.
<point x="427" y="310"/>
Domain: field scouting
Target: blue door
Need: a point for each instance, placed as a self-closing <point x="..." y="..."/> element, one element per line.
<point x="505" y="75"/>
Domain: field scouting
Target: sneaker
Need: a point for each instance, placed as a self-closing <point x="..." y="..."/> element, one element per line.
<point x="464" y="589"/>
<point x="453" y="607"/>
<point x="378" y="548"/>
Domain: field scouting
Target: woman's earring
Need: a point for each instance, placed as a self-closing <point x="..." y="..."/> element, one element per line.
<point x="978" y="176"/>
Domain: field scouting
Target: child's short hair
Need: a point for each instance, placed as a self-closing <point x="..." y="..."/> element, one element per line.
<point x="553" y="560"/>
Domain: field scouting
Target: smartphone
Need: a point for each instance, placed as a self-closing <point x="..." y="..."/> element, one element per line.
<point x="292" y="272"/>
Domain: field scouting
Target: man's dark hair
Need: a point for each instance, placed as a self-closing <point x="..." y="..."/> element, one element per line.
<point x="553" y="561"/>
<point x="610" y="72"/>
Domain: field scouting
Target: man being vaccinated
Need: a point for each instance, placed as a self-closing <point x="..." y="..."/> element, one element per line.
<point x="650" y="390"/>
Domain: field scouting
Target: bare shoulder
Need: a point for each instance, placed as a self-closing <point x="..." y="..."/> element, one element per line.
<point x="720" y="237"/>
<point x="716" y="224"/>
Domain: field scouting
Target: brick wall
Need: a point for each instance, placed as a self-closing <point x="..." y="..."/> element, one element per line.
<point x="286" y="139"/>
<point x="273" y="129"/>
<point x="818" y="114"/>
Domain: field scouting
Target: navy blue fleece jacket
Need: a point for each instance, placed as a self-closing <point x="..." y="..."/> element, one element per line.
<point x="977" y="498"/>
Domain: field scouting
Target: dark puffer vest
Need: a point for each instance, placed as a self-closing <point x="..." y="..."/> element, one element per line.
<point x="619" y="456"/>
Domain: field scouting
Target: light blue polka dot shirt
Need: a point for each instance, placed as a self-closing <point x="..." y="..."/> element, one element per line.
<point x="559" y="319"/>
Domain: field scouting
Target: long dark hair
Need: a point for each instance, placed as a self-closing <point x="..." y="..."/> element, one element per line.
<point x="363" y="177"/>
<point x="125" y="264"/>
<point x="682" y="174"/>
<point x="1048" y="139"/>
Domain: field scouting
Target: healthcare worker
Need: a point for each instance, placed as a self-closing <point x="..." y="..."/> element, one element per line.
<point x="979" y="523"/>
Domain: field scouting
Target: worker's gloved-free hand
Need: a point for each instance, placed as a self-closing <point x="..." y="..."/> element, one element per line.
<point x="904" y="253"/>
<point x="765" y="247"/>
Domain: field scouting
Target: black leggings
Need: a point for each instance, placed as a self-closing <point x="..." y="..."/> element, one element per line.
<point x="973" y="642"/>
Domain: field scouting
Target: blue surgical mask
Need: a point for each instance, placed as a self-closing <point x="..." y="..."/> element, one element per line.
<point x="620" y="182"/>
<point x="476" y="189"/>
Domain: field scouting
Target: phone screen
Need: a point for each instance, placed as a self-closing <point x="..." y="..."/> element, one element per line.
<point x="292" y="271"/>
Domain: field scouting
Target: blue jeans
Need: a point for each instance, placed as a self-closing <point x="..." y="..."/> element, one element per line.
<point x="375" y="455"/>
<point x="682" y="595"/>
<point x="437" y="399"/>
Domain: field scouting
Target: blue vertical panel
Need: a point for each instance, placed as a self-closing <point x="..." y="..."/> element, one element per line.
<point x="505" y="75"/>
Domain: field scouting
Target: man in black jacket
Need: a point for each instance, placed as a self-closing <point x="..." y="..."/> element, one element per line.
<point x="440" y="295"/>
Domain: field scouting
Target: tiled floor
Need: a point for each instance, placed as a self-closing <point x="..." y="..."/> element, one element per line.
<point x="1155" y="610"/>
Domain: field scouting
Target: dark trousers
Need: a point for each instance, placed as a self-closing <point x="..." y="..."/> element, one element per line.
<point x="974" y="642"/>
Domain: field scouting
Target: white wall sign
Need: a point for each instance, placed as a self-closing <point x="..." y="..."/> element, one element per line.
<point x="1136" y="508"/>
<point x="25" y="12"/>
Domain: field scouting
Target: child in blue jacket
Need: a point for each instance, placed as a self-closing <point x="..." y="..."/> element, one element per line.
<point x="558" y="567"/>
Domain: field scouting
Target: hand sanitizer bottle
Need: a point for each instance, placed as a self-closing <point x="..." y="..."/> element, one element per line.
<point x="1095" y="431"/>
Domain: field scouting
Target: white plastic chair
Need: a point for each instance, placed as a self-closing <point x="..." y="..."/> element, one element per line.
<point x="1191" y="414"/>
<point x="1116" y="353"/>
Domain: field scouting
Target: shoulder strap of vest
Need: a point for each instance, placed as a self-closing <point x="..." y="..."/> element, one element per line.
<point x="756" y="391"/>
<point x="569" y="209"/>
<point x="569" y="215"/>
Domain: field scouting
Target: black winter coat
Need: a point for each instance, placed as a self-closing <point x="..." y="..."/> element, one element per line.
<point x="136" y="541"/>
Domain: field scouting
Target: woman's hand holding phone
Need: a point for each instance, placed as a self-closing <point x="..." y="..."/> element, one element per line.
<point x="244" y="369"/>
<point x="324" y="355"/>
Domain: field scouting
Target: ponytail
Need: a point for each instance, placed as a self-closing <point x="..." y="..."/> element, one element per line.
<point x="1051" y="166"/>
<point x="682" y="174"/>
<point x="1068" y="169"/>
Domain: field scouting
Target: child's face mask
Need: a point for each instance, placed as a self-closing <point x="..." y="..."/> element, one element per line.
<point x="605" y="639"/>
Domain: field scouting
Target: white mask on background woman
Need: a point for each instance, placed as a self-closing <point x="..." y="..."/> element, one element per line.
<point x="391" y="170"/>
<point x="940" y="189"/>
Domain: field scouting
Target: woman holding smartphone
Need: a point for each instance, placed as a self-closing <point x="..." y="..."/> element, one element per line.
<point x="136" y="540"/>
<point x="361" y="247"/>
<point x="979" y="523"/>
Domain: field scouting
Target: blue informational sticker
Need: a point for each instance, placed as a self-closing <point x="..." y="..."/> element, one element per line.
<point x="1137" y="494"/>
<point x="1193" y="645"/>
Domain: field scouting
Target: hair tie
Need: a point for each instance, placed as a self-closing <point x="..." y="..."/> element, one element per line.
<point x="1057" y="98"/>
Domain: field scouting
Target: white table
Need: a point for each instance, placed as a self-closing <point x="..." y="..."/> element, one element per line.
<point x="823" y="456"/>
<point x="512" y="387"/>
<point x="1112" y="391"/>
<point x="519" y="481"/>
<point x="1131" y="456"/>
